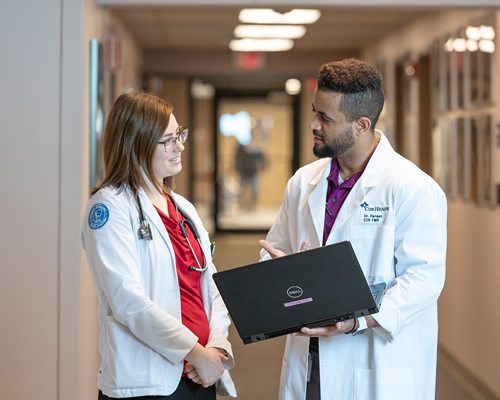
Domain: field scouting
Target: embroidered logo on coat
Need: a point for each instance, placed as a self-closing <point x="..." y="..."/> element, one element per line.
<point x="373" y="214"/>
<point x="98" y="216"/>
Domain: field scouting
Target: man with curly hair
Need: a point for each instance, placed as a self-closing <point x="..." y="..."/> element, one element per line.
<point x="394" y="215"/>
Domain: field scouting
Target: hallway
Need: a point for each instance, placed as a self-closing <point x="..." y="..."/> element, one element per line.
<point x="440" y="62"/>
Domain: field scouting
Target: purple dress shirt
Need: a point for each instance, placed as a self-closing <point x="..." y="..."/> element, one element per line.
<point x="336" y="195"/>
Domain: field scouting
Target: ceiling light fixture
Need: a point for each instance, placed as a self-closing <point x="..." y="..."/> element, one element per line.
<point x="269" y="16"/>
<point x="293" y="86"/>
<point x="473" y="33"/>
<point x="261" y="44"/>
<point x="270" y="31"/>
<point x="480" y="32"/>
<point x="487" y="46"/>
<point x="487" y="32"/>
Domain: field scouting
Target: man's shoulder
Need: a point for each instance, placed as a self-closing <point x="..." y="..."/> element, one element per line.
<point x="407" y="174"/>
<point x="406" y="169"/>
<point x="311" y="170"/>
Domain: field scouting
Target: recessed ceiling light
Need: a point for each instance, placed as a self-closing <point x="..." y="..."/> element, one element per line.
<point x="293" y="86"/>
<point x="261" y="44"/>
<point x="472" y="32"/>
<point x="487" y="32"/>
<point x="487" y="46"/>
<point x="480" y="32"/>
<point x="270" y="31"/>
<point x="269" y="16"/>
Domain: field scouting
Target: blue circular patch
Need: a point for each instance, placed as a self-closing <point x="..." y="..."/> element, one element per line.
<point x="98" y="216"/>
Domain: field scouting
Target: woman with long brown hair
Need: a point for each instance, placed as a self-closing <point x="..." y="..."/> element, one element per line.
<point x="163" y="325"/>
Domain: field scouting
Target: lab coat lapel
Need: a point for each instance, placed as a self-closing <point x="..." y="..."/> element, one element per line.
<point x="350" y="206"/>
<point x="317" y="200"/>
<point x="371" y="176"/>
<point x="154" y="219"/>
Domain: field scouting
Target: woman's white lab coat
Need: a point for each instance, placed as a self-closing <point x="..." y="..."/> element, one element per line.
<point x="395" y="218"/>
<point x="142" y="341"/>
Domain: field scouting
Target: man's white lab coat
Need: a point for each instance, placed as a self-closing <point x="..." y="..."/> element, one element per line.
<point x="395" y="218"/>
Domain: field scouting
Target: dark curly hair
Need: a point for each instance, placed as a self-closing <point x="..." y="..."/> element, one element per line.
<point x="360" y="85"/>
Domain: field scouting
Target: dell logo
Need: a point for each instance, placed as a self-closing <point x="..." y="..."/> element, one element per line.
<point x="294" y="292"/>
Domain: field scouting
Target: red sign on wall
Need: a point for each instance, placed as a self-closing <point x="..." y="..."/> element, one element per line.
<point x="248" y="61"/>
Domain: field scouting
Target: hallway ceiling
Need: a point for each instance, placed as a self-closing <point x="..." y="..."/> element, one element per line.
<point x="211" y="28"/>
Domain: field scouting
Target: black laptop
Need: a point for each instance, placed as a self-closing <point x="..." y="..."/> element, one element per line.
<point x="312" y="288"/>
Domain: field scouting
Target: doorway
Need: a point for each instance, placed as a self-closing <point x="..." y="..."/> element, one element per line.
<point x="255" y="134"/>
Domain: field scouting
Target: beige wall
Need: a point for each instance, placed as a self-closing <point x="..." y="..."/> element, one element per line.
<point x="132" y="64"/>
<point x="95" y="23"/>
<point x="413" y="41"/>
<point x="470" y="303"/>
<point x="185" y="62"/>
<point x="40" y="109"/>
<point x="93" y="20"/>
<point x="306" y="139"/>
<point x="48" y="332"/>
<point x="176" y="92"/>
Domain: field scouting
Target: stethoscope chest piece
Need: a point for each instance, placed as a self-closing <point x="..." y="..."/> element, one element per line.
<point x="145" y="230"/>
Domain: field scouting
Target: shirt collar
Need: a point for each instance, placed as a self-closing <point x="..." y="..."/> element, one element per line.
<point x="333" y="177"/>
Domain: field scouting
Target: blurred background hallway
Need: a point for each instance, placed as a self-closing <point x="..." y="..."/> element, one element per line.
<point x="65" y="61"/>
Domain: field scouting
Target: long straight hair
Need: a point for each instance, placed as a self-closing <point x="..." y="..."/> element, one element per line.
<point x="135" y="124"/>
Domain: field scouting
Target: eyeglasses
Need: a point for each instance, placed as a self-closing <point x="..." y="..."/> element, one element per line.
<point x="180" y="135"/>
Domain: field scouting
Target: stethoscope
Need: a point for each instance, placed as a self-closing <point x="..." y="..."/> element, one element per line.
<point x="145" y="233"/>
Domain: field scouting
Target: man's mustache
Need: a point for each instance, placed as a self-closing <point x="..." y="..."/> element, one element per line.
<point x="318" y="134"/>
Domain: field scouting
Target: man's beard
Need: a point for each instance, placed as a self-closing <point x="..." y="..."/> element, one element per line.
<point x="334" y="147"/>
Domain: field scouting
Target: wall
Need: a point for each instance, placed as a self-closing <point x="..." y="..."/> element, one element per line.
<point x="470" y="304"/>
<point x="176" y="92"/>
<point x="280" y="64"/>
<point x="48" y="308"/>
<point x="414" y="40"/>
<point x="129" y="74"/>
<point x="40" y="110"/>
<point x="95" y="23"/>
<point x="305" y="134"/>
<point x="470" y="301"/>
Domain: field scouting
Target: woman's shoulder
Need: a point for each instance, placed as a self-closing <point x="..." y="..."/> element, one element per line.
<point x="182" y="201"/>
<point x="111" y="195"/>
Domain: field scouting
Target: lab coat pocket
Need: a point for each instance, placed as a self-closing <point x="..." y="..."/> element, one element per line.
<point x="128" y="358"/>
<point x="383" y="384"/>
<point x="374" y="247"/>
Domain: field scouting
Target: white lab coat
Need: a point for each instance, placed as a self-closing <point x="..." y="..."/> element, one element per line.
<point x="142" y="342"/>
<point x="395" y="218"/>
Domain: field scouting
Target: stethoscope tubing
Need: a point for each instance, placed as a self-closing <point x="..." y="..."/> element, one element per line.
<point x="145" y="233"/>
